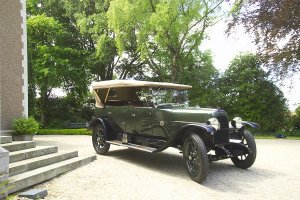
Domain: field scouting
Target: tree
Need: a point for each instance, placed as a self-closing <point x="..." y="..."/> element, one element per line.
<point x="275" y="28"/>
<point x="51" y="63"/>
<point x="167" y="33"/>
<point x="247" y="92"/>
<point x="296" y="120"/>
<point x="203" y="76"/>
<point x="91" y="19"/>
<point x="71" y="44"/>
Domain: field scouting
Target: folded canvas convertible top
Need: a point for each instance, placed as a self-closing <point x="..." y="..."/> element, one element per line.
<point x="134" y="83"/>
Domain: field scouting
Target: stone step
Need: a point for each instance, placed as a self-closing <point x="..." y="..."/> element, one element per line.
<point x="30" y="178"/>
<point x="18" y="145"/>
<point x="5" y="139"/>
<point x="34" y="163"/>
<point x="31" y="153"/>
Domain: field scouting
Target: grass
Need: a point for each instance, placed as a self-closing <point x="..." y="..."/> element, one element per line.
<point x="273" y="137"/>
<point x="81" y="131"/>
<point x="266" y="136"/>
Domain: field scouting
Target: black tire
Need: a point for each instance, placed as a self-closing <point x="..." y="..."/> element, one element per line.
<point x="99" y="139"/>
<point x="246" y="160"/>
<point x="195" y="158"/>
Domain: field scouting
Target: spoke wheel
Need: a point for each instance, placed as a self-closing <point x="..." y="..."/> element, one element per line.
<point x="195" y="157"/>
<point x="99" y="139"/>
<point x="245" y="161"/>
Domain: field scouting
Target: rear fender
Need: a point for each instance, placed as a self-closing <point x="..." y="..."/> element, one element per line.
<point x="107" y="127"/>
<point x="95" y="121"/>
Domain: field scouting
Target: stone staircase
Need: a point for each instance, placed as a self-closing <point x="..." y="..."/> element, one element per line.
<point x="30" y="164"/>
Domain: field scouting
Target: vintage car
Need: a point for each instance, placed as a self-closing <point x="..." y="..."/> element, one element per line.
<point x="152" y="116"/>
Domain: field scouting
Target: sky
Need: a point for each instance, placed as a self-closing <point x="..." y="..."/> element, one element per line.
<point x="224" y="48"/>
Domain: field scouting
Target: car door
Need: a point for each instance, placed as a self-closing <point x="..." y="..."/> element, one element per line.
<point x="129" y="118"/>
<point x="116" y="113"/>
<point x="142" y="120"/>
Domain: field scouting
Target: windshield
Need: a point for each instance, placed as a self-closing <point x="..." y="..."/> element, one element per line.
<point x="167" y="95"/>
<point x="141" y="96"/>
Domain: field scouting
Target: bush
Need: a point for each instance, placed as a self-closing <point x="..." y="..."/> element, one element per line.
<point x="292" y="132"/>
<point x="64" y="132"/>
<point x="25" y="126"/>
<point x="56" y="124"/>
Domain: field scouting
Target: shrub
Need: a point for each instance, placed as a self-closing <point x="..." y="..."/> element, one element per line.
<point x="25" y="126"/>
<point x="64" y="132"/>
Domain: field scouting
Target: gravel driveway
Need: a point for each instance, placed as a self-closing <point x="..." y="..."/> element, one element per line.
<point x="131" y="174"/>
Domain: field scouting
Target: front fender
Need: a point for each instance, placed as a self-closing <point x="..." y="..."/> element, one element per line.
<point x="252" y="124"/>
<point x="204" y="127"/>
<point x="178" y="139"/>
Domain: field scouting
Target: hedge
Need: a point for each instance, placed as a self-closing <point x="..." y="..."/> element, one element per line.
<point x="64" y="132"/>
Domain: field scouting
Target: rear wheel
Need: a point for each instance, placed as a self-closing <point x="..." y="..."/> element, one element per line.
<point x="195" y="157"/>
<point x="99" y="139"/>
<point x="245" y="161"/>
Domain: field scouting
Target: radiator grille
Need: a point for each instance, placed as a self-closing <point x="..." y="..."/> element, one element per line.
<point x="223" y="121"/>
<point x="222" y="135"/>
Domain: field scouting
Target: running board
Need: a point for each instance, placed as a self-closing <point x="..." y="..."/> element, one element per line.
<point x="132" y="146"/>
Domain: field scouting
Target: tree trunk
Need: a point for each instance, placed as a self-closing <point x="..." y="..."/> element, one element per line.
<point x="43" y="108"/>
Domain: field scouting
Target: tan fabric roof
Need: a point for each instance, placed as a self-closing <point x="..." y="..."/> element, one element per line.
<point x="134" y="83"/>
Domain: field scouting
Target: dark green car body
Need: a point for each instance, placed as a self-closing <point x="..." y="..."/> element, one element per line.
<point x="127" y="118"/>
<point x="167" y="122"/>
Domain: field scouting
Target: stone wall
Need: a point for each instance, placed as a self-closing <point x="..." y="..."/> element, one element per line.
<point x="13" y="62"/>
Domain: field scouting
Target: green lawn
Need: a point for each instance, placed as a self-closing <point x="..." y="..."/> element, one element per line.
<point x="82" y="131"/>
<point x="263" y="136"/>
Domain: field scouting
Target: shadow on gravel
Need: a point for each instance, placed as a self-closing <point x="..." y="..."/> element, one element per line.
<point x="223" y="175"/>
<point x="162" y="162"/>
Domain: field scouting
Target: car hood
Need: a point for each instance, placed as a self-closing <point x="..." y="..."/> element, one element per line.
<point x="190" y="114"/>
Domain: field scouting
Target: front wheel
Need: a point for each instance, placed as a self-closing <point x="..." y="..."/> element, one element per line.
<point x="195" y="157"/>
<point x="99" y="139"/>
<point x="245" y="161"/>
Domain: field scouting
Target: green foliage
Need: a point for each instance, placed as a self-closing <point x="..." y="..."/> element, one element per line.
<point x="25" y="126"/>
<point x="52" y="63"/>
<point x="167" y="33"/>
<point x="68" y="109"/>
<point x="3" y="187"/>
<point x="90" y="19"/>
<point x="296" y="118"/>
<point x="290" y="132"/>
<point x="247" y="92"/>
<point x="292" y="126"/>
<point x="272" y="136"/>
<point x="73" y="42"/>
<point x="64" y="132"/>
<point x="203" y="76"/>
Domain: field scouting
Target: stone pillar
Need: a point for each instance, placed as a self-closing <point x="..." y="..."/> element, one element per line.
<point x="4" y="172"/>
<point x="13" y="63"/>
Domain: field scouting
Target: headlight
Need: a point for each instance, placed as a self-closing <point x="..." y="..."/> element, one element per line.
<point x="214" y="122"/>
<point x="237" y="122"/>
